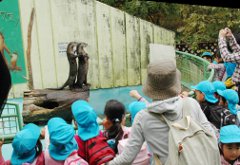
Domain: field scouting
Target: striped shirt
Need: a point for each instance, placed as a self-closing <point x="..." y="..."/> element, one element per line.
<point x="233" y="56"/>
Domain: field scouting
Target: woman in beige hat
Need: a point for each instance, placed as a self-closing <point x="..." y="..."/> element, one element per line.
<point x="163" y="86"/>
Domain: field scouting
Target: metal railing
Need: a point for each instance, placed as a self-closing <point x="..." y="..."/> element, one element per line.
<point x="193" y="69"/>
<point x="10" y="121"/>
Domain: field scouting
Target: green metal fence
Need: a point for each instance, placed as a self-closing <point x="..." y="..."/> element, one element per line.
<point x="193" y="69"/>
<point x="10" y="121"/>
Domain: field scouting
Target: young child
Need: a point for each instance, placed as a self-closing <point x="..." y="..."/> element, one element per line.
<point x="218" y="85"/>
<point x="229" y="145"/>
<point x="229" y="98"/>
<point x="92" y="145"/>
<point x="204" y="92"/>
<point x="114" y="116"/>
<point x="207" y="56"/>
<point x="27" y="147"/>
<point x="62" y="143"/>
<point x="135" y="107"/>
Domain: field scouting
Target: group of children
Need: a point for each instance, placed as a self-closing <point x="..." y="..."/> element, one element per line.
<point x="63" y="146"/>
<point x="220" y="106"/>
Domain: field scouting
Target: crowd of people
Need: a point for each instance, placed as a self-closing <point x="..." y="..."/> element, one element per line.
<point x="171" y="128"/>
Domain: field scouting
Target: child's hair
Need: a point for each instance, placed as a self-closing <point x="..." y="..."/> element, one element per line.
<point x="38" y="148"/>
<point x="115" y="112"/>
<point x="220" y="146"/>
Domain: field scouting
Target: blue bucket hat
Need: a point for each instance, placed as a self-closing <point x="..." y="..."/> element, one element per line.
<point x="24" y="144"/>
<point x="135" y="107"/>
<point x="207" y="88"/>
<point x="62" y="142"/>
<point x="219" y="85"/>
<point x="86" y="119"/>
<point x="206" y="54"/>
<point x="232" y="99"/>
<point x="230" y="134"/>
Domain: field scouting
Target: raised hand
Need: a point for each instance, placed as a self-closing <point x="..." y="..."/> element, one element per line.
<point x="228" y="32"/>
<point x="222" y="33"/>
<point x="135" y="94"/>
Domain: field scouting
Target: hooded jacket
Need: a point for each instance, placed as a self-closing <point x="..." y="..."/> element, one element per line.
<point x="147" y="127"/>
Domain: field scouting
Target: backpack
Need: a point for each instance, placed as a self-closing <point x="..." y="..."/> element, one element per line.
<point x="220" y="116"/>
<point x="188" y="142"/>
<point x="74" y="159"/>
<point x="95" y="151"/>
<point x="142" y="158"/>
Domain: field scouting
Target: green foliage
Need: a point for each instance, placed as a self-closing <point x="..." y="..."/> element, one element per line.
<point x="192" y="24"/>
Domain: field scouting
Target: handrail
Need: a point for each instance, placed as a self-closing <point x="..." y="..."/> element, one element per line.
<point x="199" y="58"/>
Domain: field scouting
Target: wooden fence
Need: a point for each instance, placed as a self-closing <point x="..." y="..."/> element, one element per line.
<point x="117" y="42"/>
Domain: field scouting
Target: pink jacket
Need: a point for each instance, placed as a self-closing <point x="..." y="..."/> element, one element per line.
<point x="50" y="161"/>
<point x="224" y="162"/>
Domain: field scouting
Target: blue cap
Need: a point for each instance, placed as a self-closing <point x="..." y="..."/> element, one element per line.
<point x="206" y="54"/>
<point x="230" y="134"/>
<point x="135" y="107"/>
<point x="207" y="88"/>
<point x="62" y="142"/>
<point x="86" y="119"/>
<point x="232" y="99"/>
<point x="219" y="85"/>
<point x="24" y="144"/>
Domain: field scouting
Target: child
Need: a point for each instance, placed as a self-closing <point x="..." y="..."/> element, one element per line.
<point x="218" y="85"/>
<point x="92" y="145"/>
<point x="27" y="147"/>
<point x="114" y="115"/>
<point x="135" y="107"/>
<point x="229" y="145"/>
<point x="204" y="92"/>
<point x="62" y="143"/>
<point x="229" y="99"/>
<point x="207" y="56"/>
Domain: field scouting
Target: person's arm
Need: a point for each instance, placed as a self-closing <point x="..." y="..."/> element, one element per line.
<point x="232" y="41"/>
<point x="226" y="55"/>
<point x="215" y="66"/>
<point x="133" y="146"/>
<point x="137" y="96"/>
<point x="201" y="117"/>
